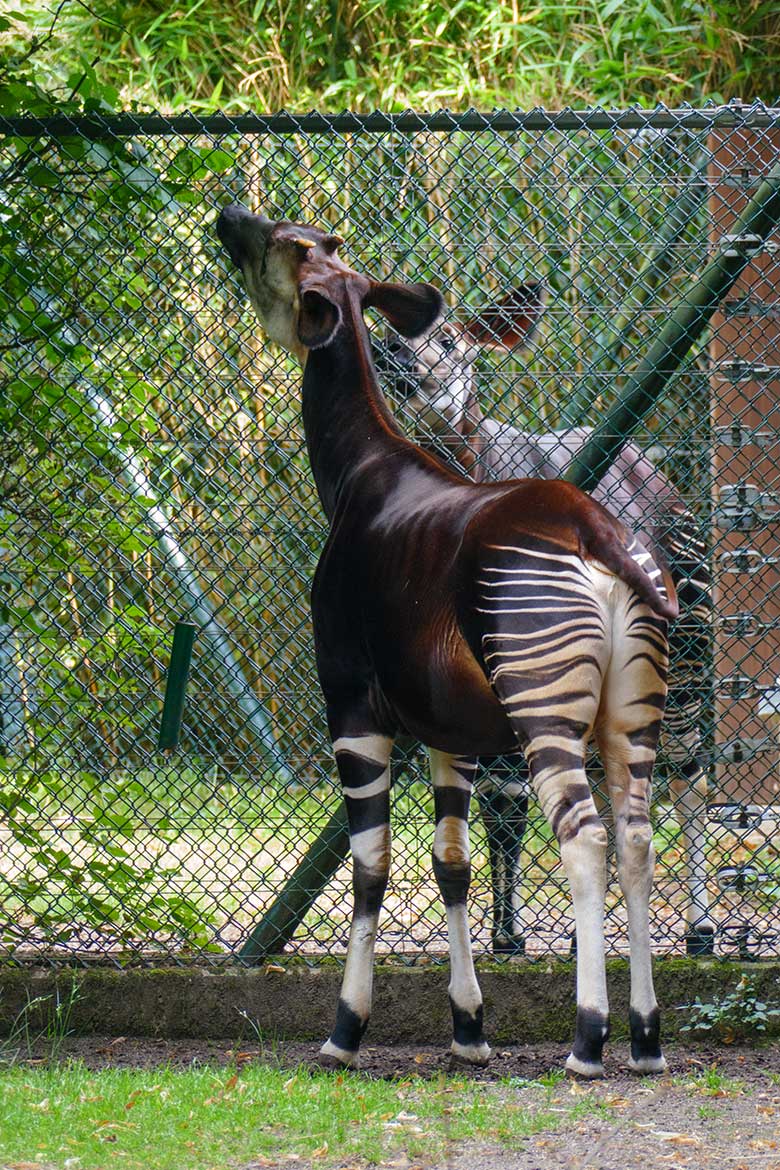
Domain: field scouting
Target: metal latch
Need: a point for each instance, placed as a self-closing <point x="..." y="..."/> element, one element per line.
<point x="743" y="877"/>
<point x="733" y="815"/>
<point x="748" y="306"/>
<point x="738" y="370"/>
<point x="742" y="506"/>
<point x="745" y="560"/>
<point x="740" y="625"/>
<point x="738" y="686"/>
<point x="748" y="245"/>
<point x="745" y="938"/>
<point x="739" y="436"/>
<point x="745" y="747"/>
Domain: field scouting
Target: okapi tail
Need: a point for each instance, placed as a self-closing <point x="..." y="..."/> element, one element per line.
<point x="634" y="565"/>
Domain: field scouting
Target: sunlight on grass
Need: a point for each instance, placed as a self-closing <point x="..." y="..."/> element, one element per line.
<point x="167" y="1120"/>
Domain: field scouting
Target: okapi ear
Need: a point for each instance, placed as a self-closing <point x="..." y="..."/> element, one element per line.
<point x="318" y="318"/>
<point x="510" y="322"/>
<point x="410" y="308"/>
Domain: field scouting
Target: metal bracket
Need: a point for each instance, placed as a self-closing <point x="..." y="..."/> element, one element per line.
<point x="748" y="306"/>
<point x="740" y="625"/>
<point x="737" y="686"/>
<point x="741" y="935"/>
<point x="738" y="370"/>
<point x="733" y="815"/>
<point x="743" y="506"/>
<point x="742" y="748"/>
<point x="748" y="245"/>
<point x="745" y="560"/>
<point x="743" y="877"/>
<point x="739" y="436"/>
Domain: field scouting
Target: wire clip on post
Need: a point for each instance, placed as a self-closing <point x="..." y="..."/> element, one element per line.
<point x="176" y="685"/>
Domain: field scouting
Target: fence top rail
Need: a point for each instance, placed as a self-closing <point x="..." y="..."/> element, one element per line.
<point x="757" y="115"/>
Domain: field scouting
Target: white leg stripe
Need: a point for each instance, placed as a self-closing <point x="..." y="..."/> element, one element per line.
<point x="371" y="747"/>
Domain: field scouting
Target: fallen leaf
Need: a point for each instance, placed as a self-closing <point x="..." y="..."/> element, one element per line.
<point x="231" y="1082"/>
<point x="321" y="1151"/>
<point x="680" y="1139"/>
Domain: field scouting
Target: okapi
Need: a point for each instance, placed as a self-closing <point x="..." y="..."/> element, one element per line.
<point x="433" y="383"/>
<point x="477" y="618"/>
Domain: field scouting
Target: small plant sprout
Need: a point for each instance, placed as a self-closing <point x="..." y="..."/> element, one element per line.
<point x="738" y="1015"/>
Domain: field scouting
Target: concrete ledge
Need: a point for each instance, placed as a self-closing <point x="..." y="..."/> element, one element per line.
<point x="524" y="1002"/>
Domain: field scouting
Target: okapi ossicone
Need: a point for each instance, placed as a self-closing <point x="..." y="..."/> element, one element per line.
<point x="432" y="380"/>
<point x="476" y="618"/>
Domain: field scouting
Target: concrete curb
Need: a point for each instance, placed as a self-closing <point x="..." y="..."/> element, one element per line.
<point x="524" y="1002"/>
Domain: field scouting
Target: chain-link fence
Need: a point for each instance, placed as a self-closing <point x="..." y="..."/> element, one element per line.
<point x="153" y="469"/>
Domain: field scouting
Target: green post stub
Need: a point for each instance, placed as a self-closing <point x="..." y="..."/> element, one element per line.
<point x="301" y="890"/>
<point x="176" y="685"/>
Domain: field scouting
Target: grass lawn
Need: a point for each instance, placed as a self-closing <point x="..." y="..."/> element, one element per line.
<point x="68" y="1117"/>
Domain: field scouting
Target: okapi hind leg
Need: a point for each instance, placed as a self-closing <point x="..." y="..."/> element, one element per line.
<point x="688" y="789"/>
<point x="627" y="734"/>
<point x="364" y="768"/>
<point x="452" y="778"/>
<point x="502" y="791"/>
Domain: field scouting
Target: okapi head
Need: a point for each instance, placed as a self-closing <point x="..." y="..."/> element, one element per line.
<point x="433" y="380"/>
<point x="303" y="292"/>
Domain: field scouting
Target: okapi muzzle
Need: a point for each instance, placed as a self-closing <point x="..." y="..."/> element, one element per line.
<point x="479" y="619"/>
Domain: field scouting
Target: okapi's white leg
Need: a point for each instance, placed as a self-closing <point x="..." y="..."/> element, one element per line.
<point x="364" y="768"/>
<point x="502" y="791"/>
<point x="628" y="762"/>
<point x="627" y="734"/>
<point x="583" y="841"/>
<point x="557" y="762"/>
<point x="689" y="792"/>
<point x="452" y="778"/>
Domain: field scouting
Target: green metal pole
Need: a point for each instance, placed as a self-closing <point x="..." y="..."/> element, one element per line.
<point x="688" y="322"/>
<point x="176" y="685"/>
<point x="301" y="890"/>
<point x="657" y="264"/>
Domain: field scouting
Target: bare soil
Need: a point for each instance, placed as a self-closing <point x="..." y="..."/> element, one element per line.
<point x="717" y="1107"/>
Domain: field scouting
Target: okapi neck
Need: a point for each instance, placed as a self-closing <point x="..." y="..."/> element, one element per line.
<point x="345" y="417"/>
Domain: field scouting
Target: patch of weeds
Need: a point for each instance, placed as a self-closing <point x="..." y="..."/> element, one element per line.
<point x="708" y="1112"/>
<point x="270" y="1052"/>
<point x="552" y="1078"/>
<point x="774" y="1078"/>
<point x="739" y="1015"/>
<point x="25" y="1038"/>
<point x="712" y="1083"/>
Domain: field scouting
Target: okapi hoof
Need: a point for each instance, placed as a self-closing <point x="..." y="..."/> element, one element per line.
<point x="700" y="941"/>
<point x="508" y="944"/>
<point x="647" y="1065"/>
<point x="332" y="1057"/>
<point x="470" y="1053"/>
<point x="587" y="1070"/>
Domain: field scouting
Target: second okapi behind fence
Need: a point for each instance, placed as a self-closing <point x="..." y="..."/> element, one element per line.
<point x="478" y="618"/>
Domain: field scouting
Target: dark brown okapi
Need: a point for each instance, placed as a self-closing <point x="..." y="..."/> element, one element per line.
<point x="432" y="382"/>
<point x="476" y="618"/>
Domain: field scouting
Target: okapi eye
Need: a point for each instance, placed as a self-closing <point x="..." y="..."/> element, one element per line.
<point x="446" y="341"/>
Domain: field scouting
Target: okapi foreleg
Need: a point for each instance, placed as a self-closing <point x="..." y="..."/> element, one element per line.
<point x="364" y="768"/>
<point x="502" y="791"/>
<point x="453" y="778"/>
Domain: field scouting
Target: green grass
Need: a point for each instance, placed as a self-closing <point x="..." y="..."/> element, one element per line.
<point x="204" y="1117"/>
<point x="362" y="53"/>
<point x="711" y="1083"/>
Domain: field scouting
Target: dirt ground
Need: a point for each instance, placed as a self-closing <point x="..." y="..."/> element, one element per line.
<point x="717" y="1107"/>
